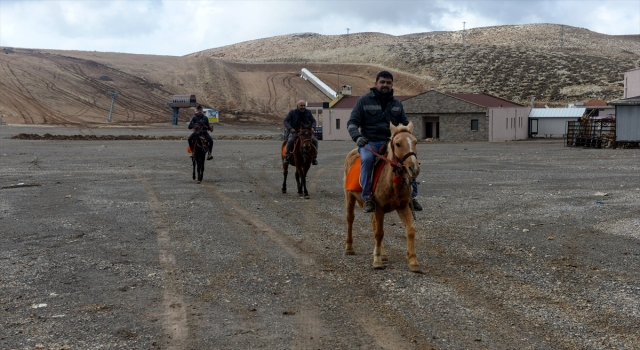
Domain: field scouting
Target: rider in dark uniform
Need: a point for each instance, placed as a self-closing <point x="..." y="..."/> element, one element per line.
<point x="200" y="118"/>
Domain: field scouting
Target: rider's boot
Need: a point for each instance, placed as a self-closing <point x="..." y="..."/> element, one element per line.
<point x="314" y="162"/>
<point x="416" y="205"/>
<point x="369" y="206"/>
<point x="286" y="158"/>
<point x="209" y="156"/>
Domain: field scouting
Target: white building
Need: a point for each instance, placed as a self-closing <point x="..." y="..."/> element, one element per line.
<point x="632" y="83"/>
<point x="552" y="122"/>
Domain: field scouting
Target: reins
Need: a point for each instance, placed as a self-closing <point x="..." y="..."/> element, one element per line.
<point x="396" y="162"/>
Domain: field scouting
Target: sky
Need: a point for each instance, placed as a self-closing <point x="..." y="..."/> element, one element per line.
<point x="180" y="27"/>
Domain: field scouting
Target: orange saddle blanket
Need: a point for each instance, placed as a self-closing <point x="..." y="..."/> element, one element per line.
<point x="353" y="176"/>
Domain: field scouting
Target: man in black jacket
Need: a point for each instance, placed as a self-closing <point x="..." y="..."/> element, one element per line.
<point x="295" y="119"/>
<point x="200" y="118"/>
<point x="368" y="126"/>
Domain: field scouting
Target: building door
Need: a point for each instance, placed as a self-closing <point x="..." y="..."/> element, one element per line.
<point x="430" y="127"/>
<point x="533" y="127"/>
<point x="428" y="130"/>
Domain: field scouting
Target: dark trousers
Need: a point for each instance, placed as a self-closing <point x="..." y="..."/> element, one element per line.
<point x="193" y="136"/>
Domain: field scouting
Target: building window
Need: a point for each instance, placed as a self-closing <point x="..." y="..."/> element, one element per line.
<point x="474" y="124"/>
<point x="337" y="124"/>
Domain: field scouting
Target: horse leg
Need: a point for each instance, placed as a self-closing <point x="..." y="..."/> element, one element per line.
<point x="377" y="221"/>
<point x="407" y="220"/>
<point x="350" y="203"/>
<point x="285" y="172"/>
<point x="298" y="180"/>
<point x="193" y="160"/>
<point x="304" y="183"/>
<point x="201" y="170"/>
<point x="374" y="224"/>
<point x="199" y="161"/>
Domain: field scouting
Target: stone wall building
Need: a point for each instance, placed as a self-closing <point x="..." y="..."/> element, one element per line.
<point x="456" y="117"/>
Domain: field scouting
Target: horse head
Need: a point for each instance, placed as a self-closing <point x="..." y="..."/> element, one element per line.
<point x="403" y="148"/>
<point x="306" y="138"/>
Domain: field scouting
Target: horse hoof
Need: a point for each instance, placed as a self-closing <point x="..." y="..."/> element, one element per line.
<point x="198" y="182"/>
<point x="378" y="265"/>
<point x="349" y="252"/>
<point x="307" y="196"/>
<point x="415" y="268"/>
<point x="284" y="191"/>
<point x="385" y="258"/>
<point x="299" y="194"/>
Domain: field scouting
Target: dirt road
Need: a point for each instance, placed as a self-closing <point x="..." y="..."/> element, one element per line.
<point x="110" y="244"/>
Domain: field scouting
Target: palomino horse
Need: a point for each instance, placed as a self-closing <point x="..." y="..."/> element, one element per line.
<point x="304" y="152"/>
<point x="392" y="192"/>
<point x="199" y="150"/>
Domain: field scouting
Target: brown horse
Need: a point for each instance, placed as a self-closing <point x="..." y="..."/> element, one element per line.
<point x="392" y="192"/>
<point x="304" y="152"/>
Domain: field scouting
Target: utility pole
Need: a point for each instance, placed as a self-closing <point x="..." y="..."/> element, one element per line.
<point x="113" y="95"/>
<point x="464" y="25"/>
<point x="347" y="36"/>
<point x="562" y="38"/>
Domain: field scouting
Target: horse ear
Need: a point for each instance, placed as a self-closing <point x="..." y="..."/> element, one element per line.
<point x="410" y="126"/>
<point x="393" y="128"/>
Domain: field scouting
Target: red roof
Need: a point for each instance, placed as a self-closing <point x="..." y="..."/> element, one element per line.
<point x="596" y="103"/>
<point x="485" y="100"/>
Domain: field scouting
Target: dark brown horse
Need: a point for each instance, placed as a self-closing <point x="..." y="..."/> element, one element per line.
<point x="199" y="150"/>
<point x="304" y="152"/>
<point x="392" y="192"/>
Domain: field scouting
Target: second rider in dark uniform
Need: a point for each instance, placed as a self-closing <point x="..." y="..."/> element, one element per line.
<point x="200" y="118"/>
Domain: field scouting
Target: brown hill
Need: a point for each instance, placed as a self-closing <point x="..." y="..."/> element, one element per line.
<point x="258" y="81"/>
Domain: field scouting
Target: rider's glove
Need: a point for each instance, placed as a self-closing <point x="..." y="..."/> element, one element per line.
<point x="361" y="141"/>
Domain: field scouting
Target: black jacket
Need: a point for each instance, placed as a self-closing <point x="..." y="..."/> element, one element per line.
<point x="369" y="120"/>
<point x="295" y="119"/>
<point x="197" y="119"/>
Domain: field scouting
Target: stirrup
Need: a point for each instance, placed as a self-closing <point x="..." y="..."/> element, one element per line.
<point x="369" y="206"/>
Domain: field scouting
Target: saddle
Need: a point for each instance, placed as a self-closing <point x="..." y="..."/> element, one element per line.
<point x="292" y="160"/>
<point x="353" y="176"/>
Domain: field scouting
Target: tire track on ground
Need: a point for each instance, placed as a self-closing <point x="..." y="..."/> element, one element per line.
<point x="385" y="336"/>
<point x="174" y="317"/>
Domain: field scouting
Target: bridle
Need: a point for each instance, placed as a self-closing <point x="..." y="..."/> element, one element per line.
<point x="306" y="142"/>
<point x="397" y="163"/>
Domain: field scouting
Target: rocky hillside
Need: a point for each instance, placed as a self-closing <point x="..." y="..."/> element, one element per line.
<point x="556" y="64"/>
<point x="258" y="81"/>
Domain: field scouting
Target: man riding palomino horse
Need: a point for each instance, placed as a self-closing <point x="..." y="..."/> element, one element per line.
<point x="295" y="119"/>
<point x="369" y="127"/>
<point x="200" y="118"/>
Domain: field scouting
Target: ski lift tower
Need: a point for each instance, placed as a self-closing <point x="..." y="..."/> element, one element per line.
<point x="181" y="101"/>
<point x="113" y="94"/>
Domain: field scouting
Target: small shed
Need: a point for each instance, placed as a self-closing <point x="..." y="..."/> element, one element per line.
<point x="552" y="122"/>
<point x="627" y="119"/>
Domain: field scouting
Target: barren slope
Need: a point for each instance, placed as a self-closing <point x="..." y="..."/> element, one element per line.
<point x="258" y="81"/>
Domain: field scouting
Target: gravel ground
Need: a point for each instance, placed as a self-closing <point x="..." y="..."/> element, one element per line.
<point x="111" y="244"/>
